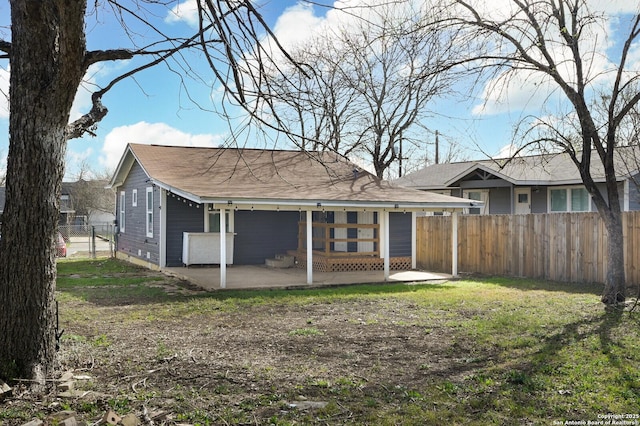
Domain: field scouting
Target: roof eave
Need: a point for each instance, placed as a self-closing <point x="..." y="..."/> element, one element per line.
<point x="341" y="204"/>
<point x="257" y="203"/>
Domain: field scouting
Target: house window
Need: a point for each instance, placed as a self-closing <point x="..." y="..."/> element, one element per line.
<point x="122" y="210"/>
<point x="477" y="196"/>
<point x="573" y="199"/>
<point x="134" y="198"/>
<point x="558" y="200"/>
<point x="214" y="221"/>
<point x="523" y="198"/>
<point x="579" y="200"/>
<point x="150" y="212"/>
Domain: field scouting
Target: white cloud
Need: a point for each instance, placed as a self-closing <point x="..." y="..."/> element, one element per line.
<point x="527" y="91"/>
<point x="506" y="151"/>
<point x="613" y="6"/>
<point x="74" y="161"/>
<point x="513" y="93"/>
<point x="186" y="11"/>
<point x="296" y="24"/>
<point x="300" y="22"/>
<point x="150" y="133"/>
<point x="4" y="92"/>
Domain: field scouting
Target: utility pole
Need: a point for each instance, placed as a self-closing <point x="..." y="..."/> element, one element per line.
<point x="400" y="159"/>
<point x="437" y="149"/>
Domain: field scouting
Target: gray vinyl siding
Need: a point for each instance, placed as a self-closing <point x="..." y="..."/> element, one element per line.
<point x="399" y="234"/>
<point x="261" y="235"/>
<point x="134" y="241"/>
<point x="621" y="194"/>
<point x="500" y="200"/>
<point x="603" y="190"/>
<point x="634" y="193"/>
<point x="539" y="200"/>
<point x="182" y="216"/>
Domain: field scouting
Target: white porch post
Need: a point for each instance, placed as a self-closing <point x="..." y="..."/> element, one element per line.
<point x="414" y="241"/>
<point x="309" y="248"/>
<point x="223" y="247"/>
<point x="454" y="244"/>
<point x="163" y="228"/>
<point x="385" y="215"/>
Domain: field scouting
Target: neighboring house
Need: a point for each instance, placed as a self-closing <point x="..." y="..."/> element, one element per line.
<point x="92" y="203"/>
<point x="67" y="213"/>
<point x="82" y="203"/>
<point x="172" y="202"/>
<point x="530" y="184"/>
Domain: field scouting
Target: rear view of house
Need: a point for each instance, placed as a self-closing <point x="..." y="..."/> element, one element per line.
<point x="184" y="205"/>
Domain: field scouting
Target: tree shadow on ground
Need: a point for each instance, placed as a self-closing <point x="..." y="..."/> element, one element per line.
<point x="529" y="284"/>
<point x="530" y="381"/>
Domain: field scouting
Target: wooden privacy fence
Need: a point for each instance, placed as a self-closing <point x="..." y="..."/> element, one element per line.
<point x="570" y="247"/>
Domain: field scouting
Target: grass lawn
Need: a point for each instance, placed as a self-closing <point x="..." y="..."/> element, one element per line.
<point x="470" y="352"/>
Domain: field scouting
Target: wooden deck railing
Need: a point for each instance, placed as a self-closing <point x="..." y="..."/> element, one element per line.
<point x="322" y="239"/>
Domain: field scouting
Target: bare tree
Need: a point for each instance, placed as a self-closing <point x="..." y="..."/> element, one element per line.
<point x="552" y="45"/>
<point x="49" y="57"/>
<point x="89" y="195"/>
<point x="370" y="84"/>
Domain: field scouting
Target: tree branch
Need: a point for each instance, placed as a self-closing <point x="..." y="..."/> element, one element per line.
<point x="98" y="111"/>
<point x="5" y="47"/>
<point x="106" y="55"/>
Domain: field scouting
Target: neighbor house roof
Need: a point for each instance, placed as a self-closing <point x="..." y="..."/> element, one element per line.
<point x="534" y="170"/>
<point x="248" y="176"/>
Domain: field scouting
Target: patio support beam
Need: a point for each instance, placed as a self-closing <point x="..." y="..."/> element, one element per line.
<point x="385" y="225"/>
<point x="163" y="229"/>
<point x="454" y="244"/>
<point x="309" y="247"/>
<point x="414" y="241"/>
<point x="223" y="247"/>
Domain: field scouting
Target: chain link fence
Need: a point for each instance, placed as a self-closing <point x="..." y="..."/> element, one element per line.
<point x="89" y="241"/>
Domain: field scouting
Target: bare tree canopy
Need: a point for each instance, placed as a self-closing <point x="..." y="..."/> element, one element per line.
<point x="366" y="88"/>
<point x="555" y="48"/>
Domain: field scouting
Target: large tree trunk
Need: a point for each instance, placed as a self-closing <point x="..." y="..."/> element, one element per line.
<point x="615" y="282"/>
<point x="47" y="53"/>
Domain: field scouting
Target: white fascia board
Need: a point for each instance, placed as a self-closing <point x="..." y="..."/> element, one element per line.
<point x="276" y="204"/>
<point x="564" y="182"/>
<point x="476" y="166"/>
<point x="122" y="170"/>
<point x="124" y="167"/>
<point x="176" y="191"/>
<point x="461" y="174"/>
<point x="280" y="204"/>
<point x="496" y="173"/>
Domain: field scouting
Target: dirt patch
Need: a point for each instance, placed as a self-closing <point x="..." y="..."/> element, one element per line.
<point x="254" y="364"/>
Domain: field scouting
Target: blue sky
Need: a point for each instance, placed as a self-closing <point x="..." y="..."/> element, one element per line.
<point x="154" y="108"/>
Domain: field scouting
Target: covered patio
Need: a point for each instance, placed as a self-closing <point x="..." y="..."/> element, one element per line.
<point x="261" y="277"/>
<point x="239" y="208"/>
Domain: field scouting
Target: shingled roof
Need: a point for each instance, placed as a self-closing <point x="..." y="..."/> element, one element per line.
<point x="534" y="170"/>
<point x="215" y="175"/>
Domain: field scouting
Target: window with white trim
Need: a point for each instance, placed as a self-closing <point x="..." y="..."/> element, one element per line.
<point x="134" y="198"/>
<point x="214" y="221"/>
<point x="569" y="199"/>
<point x="122" y="211"/>
<point x="477" y="195"/>
<point x="150" y="212"/>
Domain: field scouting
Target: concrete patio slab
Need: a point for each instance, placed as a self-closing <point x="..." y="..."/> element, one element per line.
<point x="261" y="277"/>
